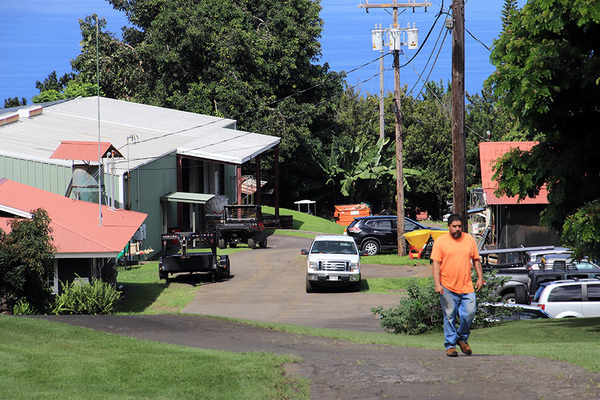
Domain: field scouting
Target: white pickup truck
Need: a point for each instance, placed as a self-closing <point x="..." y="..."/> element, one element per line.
<point x="333" y="260"/>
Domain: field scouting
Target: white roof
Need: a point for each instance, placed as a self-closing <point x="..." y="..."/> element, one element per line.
<point x="157" y="132"/>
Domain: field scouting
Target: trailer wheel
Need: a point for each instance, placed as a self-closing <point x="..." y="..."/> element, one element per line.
<point x="251" y="243"/>
<point x="222" y="243"/>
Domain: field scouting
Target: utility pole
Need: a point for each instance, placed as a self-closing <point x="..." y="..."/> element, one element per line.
<point x="381" y="94"/>
<point x="397" y="113"/>
<point x="459" y="146"/>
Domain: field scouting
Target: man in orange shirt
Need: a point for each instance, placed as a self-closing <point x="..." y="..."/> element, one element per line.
<point x="452" y="255"/>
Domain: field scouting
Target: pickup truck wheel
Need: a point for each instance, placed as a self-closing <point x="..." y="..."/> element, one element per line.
<point x="371" y="247"/>
<point x="263" y="245"/>
<point x="355" y="287"/>
<point x="251" y="243"/>
<point x="309" y="287"/>
<point x="509" y="298"/>
<point x="222" y="243"/>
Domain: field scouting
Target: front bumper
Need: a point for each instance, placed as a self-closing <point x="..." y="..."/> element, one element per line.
<point x="333" y="278"/>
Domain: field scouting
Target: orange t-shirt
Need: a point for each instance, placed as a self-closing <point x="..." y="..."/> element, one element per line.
<point x="455" y="256"/>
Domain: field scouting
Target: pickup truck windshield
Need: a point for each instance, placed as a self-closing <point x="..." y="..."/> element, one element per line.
<point x="333" y="247"/>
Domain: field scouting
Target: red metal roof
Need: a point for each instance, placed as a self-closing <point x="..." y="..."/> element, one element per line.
<point x="85" y="151"/>
<point x="489" y="152"/>
<point x="75" y="223"/>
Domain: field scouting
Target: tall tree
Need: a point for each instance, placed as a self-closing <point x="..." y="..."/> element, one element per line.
<point x="548" y="63"/>
<point x="121" y="69"/>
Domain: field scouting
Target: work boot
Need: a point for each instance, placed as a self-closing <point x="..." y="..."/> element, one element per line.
<point x="451" y="352"/>
<point x="465" y="348"/>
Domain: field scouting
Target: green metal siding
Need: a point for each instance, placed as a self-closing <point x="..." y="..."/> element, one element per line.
<point x="155" y="179"/>
<point x="50" y="177"/>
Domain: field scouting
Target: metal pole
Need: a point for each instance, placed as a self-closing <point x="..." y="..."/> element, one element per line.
<point x="99" y="149"/>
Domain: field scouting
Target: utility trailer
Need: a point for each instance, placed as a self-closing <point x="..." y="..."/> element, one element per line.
<point x="192" y="252"/>
<point x="241" y="224"/>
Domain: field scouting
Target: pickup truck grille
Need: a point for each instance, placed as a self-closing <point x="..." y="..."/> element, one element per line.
<point x="333" y="265"/>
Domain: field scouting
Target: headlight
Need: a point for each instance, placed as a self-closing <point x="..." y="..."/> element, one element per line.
<point x="354" y="266"/>
<point x="313" y="265"/>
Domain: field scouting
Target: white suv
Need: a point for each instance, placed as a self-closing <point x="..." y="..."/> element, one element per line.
<point x="333" y="260"/>
<point x="569" y="298"/>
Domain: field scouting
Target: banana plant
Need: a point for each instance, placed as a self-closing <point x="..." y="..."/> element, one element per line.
<point x="350" y="166"/>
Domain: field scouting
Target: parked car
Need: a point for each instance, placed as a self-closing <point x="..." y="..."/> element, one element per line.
<point x="333" y="260"/>
<point x="569" y="298"/>
<point x="521" y="312"/>
<point x="379" y="232"/>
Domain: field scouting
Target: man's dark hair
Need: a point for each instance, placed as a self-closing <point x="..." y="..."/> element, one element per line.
<point x="454" y="217"/>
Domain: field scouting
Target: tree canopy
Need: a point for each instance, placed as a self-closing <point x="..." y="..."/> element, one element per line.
<point x="548" y="74"/>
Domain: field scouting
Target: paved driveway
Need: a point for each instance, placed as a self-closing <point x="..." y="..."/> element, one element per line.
<point x="269" y="285"/>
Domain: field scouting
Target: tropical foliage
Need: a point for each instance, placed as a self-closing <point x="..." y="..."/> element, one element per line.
<point x="547" y="64"/>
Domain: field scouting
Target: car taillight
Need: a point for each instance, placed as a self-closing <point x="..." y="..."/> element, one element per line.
<point x="542" y="306"/>
<point x="354" y="229"/>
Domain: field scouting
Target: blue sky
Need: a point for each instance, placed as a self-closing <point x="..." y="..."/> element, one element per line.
<point x="39" y="36"/>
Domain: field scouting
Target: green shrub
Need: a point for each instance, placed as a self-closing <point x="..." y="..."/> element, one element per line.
<point x="22" y="307"/>
<point x="417" y="313"/>
<point x="421" y="311"/>
<point x="95" y="298"/>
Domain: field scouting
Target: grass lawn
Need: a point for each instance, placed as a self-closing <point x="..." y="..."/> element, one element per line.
<point x="306" y="222"/>
<point x="45" y="360"/>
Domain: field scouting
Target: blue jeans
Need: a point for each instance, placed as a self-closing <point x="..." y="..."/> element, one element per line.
<point x="463" y="305"/>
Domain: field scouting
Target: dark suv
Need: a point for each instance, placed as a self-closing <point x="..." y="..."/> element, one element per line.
<point x="379" y="232"/>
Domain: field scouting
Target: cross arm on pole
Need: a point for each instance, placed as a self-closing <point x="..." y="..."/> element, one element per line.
<point x="395" y="5"/>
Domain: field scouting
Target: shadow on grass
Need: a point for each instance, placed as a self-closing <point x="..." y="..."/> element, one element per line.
<point x="139" y="296"/>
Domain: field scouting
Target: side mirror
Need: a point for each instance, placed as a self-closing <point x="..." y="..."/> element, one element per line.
<point x="364" y="254"/>
<point x="304" y="252"/>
